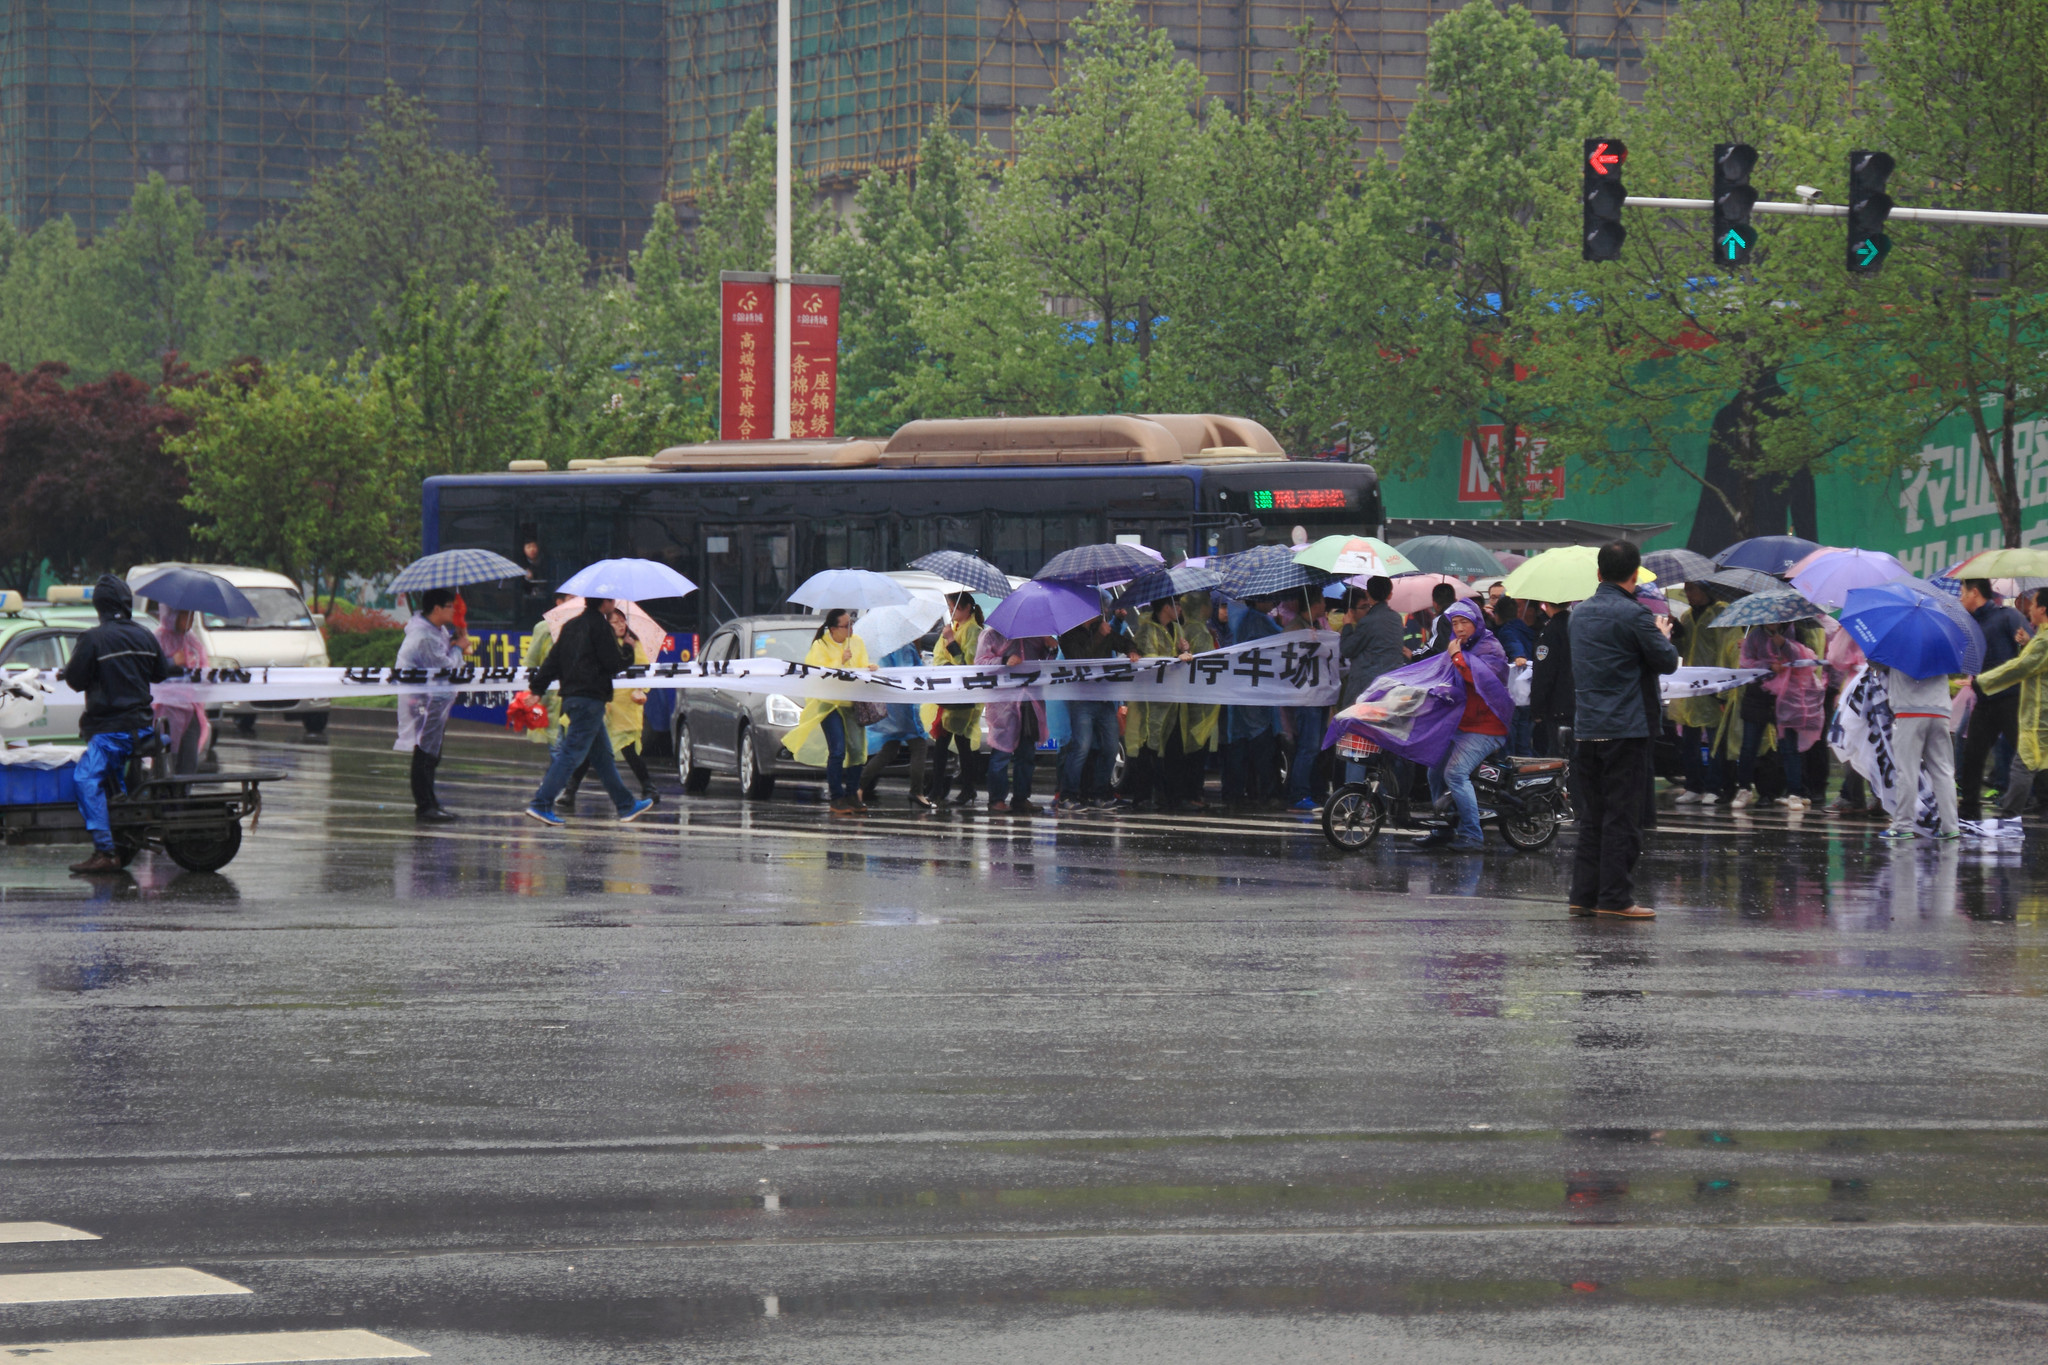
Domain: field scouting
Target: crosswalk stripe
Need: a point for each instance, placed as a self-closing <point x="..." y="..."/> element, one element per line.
<point x="43" y="1232"/>
<point x="156" y="1282"/>
<point x="253" y="1348"/>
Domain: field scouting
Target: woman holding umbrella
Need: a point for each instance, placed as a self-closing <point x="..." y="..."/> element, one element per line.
<point x="189" y="731"/>
<point x="959" y="726"/>
<point x="1790" y="699"/>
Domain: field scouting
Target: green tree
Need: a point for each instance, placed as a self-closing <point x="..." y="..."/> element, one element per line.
<point x="1101" y="189"/>
<point x="1431" y="279"/>
<point x="1242" y="335"/>
<point x="39" y="296"/>
<point x="462" y="379"/>
<point x="142" y="290"/>
<point x="1770" y="362"/>
<point x="1965" y="87"/>
<point x="991" y="347"/>
<point x="301" y="470"/>
<point x="914" y="238"/>
<point x="397" y="209"/>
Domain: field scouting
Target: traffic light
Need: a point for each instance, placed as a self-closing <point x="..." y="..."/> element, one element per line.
<point x="1734" y="238"/>
<point x="1869" y="206"/>
<point x="1602" y="194"/>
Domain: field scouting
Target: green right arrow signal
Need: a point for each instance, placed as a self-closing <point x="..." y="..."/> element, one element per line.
<point x="1869" y="252"/>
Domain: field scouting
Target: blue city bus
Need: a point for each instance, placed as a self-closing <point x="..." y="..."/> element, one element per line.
<point x="748" y="521"/>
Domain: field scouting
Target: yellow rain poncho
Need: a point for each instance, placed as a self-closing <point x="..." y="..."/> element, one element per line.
<point x="2029" y="671"/>
<point x="1147" y="723"/>
<point x="1703" y="645"/>
<point x="807" y="741"/>
<point x="960" y="720"/>
<point x="1198" y="724"/>
<point x="625" y="719"/>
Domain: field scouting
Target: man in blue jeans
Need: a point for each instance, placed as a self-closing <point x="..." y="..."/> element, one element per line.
<point x="1092" y="731"/>
<point x="586" y="656"/>
<point x="113" y="664"/>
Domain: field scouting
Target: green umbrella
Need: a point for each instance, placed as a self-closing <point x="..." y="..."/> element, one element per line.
<point x="1568" y="573"/>
<point x="1349" y="555"/>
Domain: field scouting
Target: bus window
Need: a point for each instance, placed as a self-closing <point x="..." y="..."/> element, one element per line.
<point x="844" y="545"/>
<point x="772" y="582"/>
<point x="918" y="536"/>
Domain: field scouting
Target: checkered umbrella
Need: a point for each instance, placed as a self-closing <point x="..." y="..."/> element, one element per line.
<point x="1097" y="564"/>
<point x="1266" y="569"/>
<point x="1678" y="566"/>
<point x="455" y="569"/>
<point x="1150" y="587"/>
<point x="969" y="571"/>
<point x="1729" y="584"/>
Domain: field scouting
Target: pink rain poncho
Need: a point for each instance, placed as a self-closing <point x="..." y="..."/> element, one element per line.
<point x="185" y="650"/>
<point x="1800" y="692"/>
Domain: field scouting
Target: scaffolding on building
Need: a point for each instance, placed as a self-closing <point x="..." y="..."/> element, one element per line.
<point x="241" y="99"/>
<point x="870" y="75"/>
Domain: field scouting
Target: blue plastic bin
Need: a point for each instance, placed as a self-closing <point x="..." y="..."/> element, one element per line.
<point x="21" y="785"/>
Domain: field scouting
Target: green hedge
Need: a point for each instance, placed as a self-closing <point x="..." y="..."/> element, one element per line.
<point x="369" y="649"/>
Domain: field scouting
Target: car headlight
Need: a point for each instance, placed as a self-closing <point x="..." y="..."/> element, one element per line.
<point x="783" y="711"/>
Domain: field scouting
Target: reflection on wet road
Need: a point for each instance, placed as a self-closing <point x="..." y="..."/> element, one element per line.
<point x="1199" y="1089"/>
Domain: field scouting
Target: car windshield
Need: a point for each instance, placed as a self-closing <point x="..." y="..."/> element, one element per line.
<point x="784" y="644"/>
<point x="276" y="609"/>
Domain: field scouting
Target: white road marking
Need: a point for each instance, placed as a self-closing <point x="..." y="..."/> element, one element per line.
<point x="69" y="1286"/>
<point x="43" y="1232"/>
<point x="253" y="1348"/>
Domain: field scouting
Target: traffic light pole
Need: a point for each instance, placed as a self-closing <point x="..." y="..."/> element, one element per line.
<point x="1636" y="201"/>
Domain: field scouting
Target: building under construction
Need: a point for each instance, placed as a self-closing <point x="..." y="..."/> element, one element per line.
<point x="872" y="74"/>
<point x="240" y="99"/>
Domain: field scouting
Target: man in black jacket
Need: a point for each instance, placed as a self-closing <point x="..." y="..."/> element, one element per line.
<point x="1618" y="653"/>
<point x="585" y="658"/>
<point x="1551" y="696"/>
<point x="1996" y="716"/>
<point x="113" y="664"/>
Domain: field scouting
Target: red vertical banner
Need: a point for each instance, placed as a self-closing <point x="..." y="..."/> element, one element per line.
<point x="746" y="357"/>
<point x="813" y="355"/>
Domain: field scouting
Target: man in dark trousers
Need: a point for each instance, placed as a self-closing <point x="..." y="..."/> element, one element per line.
<point x="1618" y="653"/>
<point x="1996" y="716"/>
<point x="585" y="659"/>
<point x="113" y="664"/>
<point x="1551" y="697"/>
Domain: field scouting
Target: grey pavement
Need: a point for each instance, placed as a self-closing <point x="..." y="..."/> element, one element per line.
<point x="749" y="1082"/>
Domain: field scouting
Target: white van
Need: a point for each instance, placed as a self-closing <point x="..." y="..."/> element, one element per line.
<point x="282" y="634"/>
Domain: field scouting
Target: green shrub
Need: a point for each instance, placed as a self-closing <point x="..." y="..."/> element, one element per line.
<point x="364" y="649"/>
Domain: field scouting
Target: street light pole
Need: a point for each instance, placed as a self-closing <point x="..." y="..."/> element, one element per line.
<point x="782" y="141"/>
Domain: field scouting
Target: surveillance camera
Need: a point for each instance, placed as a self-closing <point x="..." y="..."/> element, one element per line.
<point x="1806" y="192"/>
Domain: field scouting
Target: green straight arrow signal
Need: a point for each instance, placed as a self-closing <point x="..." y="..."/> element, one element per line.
<point x="1734" y="243"/>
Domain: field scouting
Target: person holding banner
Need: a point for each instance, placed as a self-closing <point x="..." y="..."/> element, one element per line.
<point x="1014" y="728"/>
<point x="958" y="726"/>
<point x="1152" y="736"/>
<point x="2029" y="672"/>
<point x="828" y="725"/>
<point x="423" y="720"/>
<point x="1187" y="782"/>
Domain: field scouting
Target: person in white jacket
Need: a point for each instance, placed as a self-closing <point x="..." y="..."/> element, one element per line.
<point x="422" y="720"/>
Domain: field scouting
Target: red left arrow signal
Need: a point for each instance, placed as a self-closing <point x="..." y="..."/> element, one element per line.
<point x="1606" y="157"/>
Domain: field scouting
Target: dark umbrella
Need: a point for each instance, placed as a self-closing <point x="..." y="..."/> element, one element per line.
<point x="1097" y="564"/>
<point x="1453" y="555"/>
<point x="969" y="571"/>
<point x="1678" y="566"/>
<point x="1775" y="607"/>
<point x="1766" y="554"/>
<point x="1728" y="584"/>
<point x="183" y="589"/>
<point x="1266" y="569"/>
<point x="1150" y="587"/>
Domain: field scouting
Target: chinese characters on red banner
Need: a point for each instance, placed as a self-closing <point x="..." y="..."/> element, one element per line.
<point x="1541" y="478"/>
<point x="746" y="389"/>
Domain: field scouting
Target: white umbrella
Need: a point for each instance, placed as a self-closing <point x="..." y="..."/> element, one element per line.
<point x="887" y="629"/>
<point x="857" y="588"/>
<point x="631" y="580"/>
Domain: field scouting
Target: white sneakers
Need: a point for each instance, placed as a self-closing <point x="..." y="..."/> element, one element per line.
<point x="1709" y="798"/>
<point x="1794" y="802"/>
<point x="1687" y="799"/>
<point x="1743" y="800"/>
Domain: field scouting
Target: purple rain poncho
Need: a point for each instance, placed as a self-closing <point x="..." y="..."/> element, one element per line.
<point x="1417" y="708"/>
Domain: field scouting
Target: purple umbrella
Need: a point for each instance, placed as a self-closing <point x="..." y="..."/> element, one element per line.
<point x="1044" y="607"/>
<point x="1830" y="575"/>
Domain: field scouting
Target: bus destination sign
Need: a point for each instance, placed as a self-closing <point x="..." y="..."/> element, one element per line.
<point x="1299" y="499"/>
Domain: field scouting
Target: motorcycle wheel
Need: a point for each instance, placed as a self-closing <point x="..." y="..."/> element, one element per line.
<point x="1531" y="828"/>
<point x="1352" y="818"/>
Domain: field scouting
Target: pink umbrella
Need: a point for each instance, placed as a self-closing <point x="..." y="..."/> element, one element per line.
<point x="1412" y="593"/>
<point x="1509" y="560"/>
<point x="639" y="624"/>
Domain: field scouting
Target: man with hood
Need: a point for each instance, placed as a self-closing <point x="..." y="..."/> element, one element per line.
<point x="1482" y="666"/>
<point x="113" y="664"/>
<point x="423" y="720"/>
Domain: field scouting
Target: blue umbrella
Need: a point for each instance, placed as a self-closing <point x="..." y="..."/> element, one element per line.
<point x="1158" y="583"/>
<point x="455" y="569"/>
<point x="859" y="588"/>
<point x="1943" y="583"/>
<point x="628" y="580"/>
<point x="969" y="571"/>
<point x="1768" y="609"/>
<point x="183" y="589"/>
<point x="1766" y="554"/>
<point x="1267" y="569"/>
<point x="1044" y="608"/>
<point x="1098" y="564"/>
<point x="1678" y="566"/>
<point x="1915" y="628"/>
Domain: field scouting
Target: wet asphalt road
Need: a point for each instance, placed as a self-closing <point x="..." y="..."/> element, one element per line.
<point x="746" y="1082"/>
